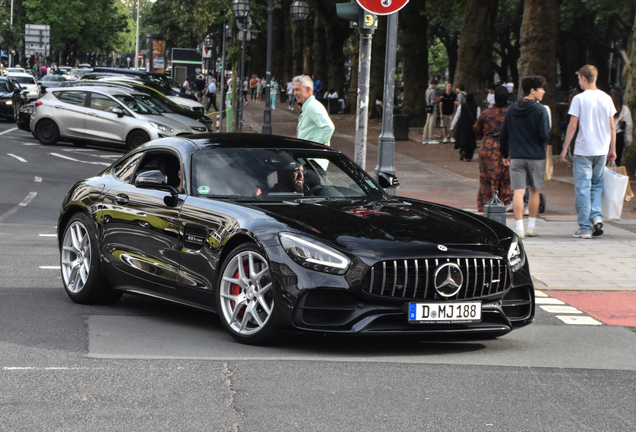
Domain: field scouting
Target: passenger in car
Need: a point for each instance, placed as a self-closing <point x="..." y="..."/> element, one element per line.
<point x="291" y="178"/>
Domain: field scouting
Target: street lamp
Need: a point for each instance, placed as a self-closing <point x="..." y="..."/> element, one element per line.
<point x="137" y="35"/>
<point x="241" y="10"/>
<point x="299" y="12"/>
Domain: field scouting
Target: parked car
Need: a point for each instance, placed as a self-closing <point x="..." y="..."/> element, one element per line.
<point x="105" y="115"/>
<point x="161" y="80"/>
<point x="49" y="81"/>
<point x="24" y="117"/>
<point x="11" y="99"/>
<point x="14" y="70"/>
<point x="142" y="86"/>
<point x="277" y="234"/>
<point x="30" y="87"/>
<point x="77" y="74"/>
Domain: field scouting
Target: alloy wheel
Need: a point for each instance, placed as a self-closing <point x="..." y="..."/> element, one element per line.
<point x="76" y="257"/>
<point x="247" y="300"/>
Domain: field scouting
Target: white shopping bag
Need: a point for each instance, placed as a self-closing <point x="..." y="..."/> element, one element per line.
<point x="614" y="187"/>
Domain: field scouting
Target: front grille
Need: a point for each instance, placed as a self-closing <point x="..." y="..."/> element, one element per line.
<point x="414" y="279"/>
<point x="198" y="110"/>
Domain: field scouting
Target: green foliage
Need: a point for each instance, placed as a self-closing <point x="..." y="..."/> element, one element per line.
<point x="437" y="58"/>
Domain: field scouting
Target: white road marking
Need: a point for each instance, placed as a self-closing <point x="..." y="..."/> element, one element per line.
<point x="548" y="300"/>
<point x="78" y="150"/>
<point x="556" y="309"/>
<point x="31" y="144"/>
<point x="14" y="368"/>
<point x="50" y="267"/>
<point x="48" y="235"/>
<point x="7" y="131"/>
<point x="17" y="157"/>
<point x="25" y="202"/>
<point x="77" y="160"/>
<point x="38" y="179"/>
<point x="578" y="320"/>
<point x="538" y="293"/>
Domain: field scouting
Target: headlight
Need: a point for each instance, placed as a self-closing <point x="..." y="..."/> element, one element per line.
<point x="161" y="127"/>
<point x="313" y="255"/>
<point x="34" y="92"/>
<point x="9" y="102"/>
<point x="516" y="255"/>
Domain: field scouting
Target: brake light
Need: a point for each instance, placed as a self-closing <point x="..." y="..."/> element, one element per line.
<point x="37" y="104"/>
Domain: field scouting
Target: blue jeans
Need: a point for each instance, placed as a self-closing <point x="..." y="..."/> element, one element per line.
<point x="588" y="185"/>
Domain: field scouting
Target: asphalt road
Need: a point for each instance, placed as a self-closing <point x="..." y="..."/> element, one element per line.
<point x="143" y="364"/>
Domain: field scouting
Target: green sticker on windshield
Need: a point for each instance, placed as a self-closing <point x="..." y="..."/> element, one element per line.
<point x="203" y="190"/>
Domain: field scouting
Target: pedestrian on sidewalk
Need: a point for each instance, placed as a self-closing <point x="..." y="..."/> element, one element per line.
<point x="493" y="174"/>
<point x="199" y="87"/>
<point x="522" y="139"/>
<point x="463" y="122"/>
<point x="290" y="96"/>
<point x="317" y="87"/>
<point x="623" y="124"/>
<point x="253" y="87"/>
<point x="273" y="92"/>
<point x="431" y="113"/>
<point x="461" y="94"/>
<point x="314" y="123"/>
<point x="448" y="109"/>
<point x="593" y="111"/>
<point x="259" y="89"/>
<point x="245" y="86"/>
<point x="210" y="93"/>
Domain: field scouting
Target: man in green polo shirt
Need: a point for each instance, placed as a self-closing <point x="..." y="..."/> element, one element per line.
<point x="314" y="123"/>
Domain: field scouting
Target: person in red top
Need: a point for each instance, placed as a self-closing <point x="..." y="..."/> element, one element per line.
<point x="253" y="87"/>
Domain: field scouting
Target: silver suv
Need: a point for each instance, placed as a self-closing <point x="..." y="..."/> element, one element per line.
<point x="106" y="115"/>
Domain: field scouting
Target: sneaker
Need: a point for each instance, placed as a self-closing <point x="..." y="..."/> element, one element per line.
<point x="597" y="227"/>
<point x="521" y="233"/>
<point x="509" y="207"/>
<point x="583" y="234"/>
<point x="531" y="232"/>
<point x="425" y="142"/>
<point x="445" y="140"/>
<point x="526" y="212"/>
<point x="433" y="142"/>
<point x="452" y="140"/>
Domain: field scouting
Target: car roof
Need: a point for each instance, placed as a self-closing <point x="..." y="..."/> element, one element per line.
<point x="99" y="89"/>
<point x="121" y="71"/>
<point x="19" y="74"/>
<point x="245" y="140"/>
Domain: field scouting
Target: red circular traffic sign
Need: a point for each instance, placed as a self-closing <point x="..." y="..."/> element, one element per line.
<point x="140" y="56"/>
<point x="382" y="7"/>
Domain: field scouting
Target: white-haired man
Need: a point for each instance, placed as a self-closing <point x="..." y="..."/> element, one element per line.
<point x="314" y="123"/>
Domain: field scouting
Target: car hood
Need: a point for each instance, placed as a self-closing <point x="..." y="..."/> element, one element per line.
<point x="191" y="123"/>
<point x="6" y="95"/>
<point x="185" y="102"/>
<point x="166" y="121"/>
<point x="400" y="227"/>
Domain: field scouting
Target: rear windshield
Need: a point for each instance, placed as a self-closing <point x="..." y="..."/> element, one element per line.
<point x="24" y="80"/>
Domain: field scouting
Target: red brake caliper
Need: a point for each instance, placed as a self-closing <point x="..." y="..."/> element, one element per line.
<point x="236" y="290"/>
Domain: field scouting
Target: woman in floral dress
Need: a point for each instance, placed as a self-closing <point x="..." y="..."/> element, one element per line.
<point x="493" y="174"/>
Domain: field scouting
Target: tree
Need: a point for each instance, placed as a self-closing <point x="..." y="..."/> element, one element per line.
<point x="539" y="33"/>
<point x="413" y="25"/>
<point x="629" y="158"/>
<point x="474" y="62"/>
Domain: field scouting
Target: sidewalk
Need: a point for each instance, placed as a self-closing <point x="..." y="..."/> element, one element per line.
<point x="434" y="173"/>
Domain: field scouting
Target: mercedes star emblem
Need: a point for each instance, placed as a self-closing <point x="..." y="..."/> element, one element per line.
<point x="442" y="248"/>
<point x="448" y="279"/>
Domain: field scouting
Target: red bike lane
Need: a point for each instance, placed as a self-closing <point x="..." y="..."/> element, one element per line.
<point x="611" y="308"/>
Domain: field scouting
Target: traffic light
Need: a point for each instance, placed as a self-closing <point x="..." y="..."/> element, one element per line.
<point x="360" y="18"/>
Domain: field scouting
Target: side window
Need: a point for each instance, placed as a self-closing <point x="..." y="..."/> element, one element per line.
<point x="103" y="103"/>
<point x="167" y="163"/>
<point x="125" y="169"/>
<point x="71" y="97"/>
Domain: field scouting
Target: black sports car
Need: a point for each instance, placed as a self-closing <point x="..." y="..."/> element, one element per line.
<point x="275" y="233"/>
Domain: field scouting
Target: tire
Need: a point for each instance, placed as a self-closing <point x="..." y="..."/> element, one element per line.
<point x="136" y="138"/>
<point x="16" y="111"/>
<point x="47" y="132"/>
<point x="79" y="261"/>
<point x="245" y="297"/>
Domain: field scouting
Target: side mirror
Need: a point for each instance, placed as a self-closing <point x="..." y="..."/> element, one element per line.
<point x="157" y="180"/>
<point x="388" y="181"/>
<point x="119" y="113"/>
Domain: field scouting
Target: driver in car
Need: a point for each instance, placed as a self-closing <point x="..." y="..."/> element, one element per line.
<point x="291" y="179"/>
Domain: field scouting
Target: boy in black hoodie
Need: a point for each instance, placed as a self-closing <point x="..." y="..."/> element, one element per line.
<point x="523" y="135"/>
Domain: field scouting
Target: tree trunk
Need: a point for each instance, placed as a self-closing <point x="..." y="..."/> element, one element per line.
<point x="308" y="57"/>
<point x="352" y="93"/>
<point x="298" y="38"/>
<point x="320" y="54"/>
<point x="413" y="24"/>
<point x="474" y="58"/>
<point x="288" y="61"/>
<point x="378" y="55"/>
<point x="629" y="157"/>
<point x="539" y="40"/>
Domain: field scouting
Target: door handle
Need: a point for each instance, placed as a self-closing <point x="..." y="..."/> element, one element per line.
<point x="92" y="114"/>
<point x="59" y="107"/>
<point x="122" y="199"/>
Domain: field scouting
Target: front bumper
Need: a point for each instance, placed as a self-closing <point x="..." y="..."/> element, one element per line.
<point x="6" y="111"/>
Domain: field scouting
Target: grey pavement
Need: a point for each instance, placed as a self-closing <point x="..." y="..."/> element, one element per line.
<point x="558" y="261"/>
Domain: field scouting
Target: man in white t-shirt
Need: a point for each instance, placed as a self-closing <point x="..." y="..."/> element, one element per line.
<point x="593" y="111"/>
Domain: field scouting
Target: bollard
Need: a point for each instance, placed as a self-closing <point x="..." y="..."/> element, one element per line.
<point x="495" y="209"/>
<point x="218" y="123"/>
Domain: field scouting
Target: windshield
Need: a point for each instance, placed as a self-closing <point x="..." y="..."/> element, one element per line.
<point x="53" y="78"/>
<point x="15" y="70"/>
<point x="144" y="104"/>
<point x="278" y="175"/>
<point x="161" y="82"/>
<point x="4" y="88"/>
<point x="23" y="80"/>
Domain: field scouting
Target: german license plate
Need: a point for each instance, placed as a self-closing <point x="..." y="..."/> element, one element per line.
<point x="444" y="313"/>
